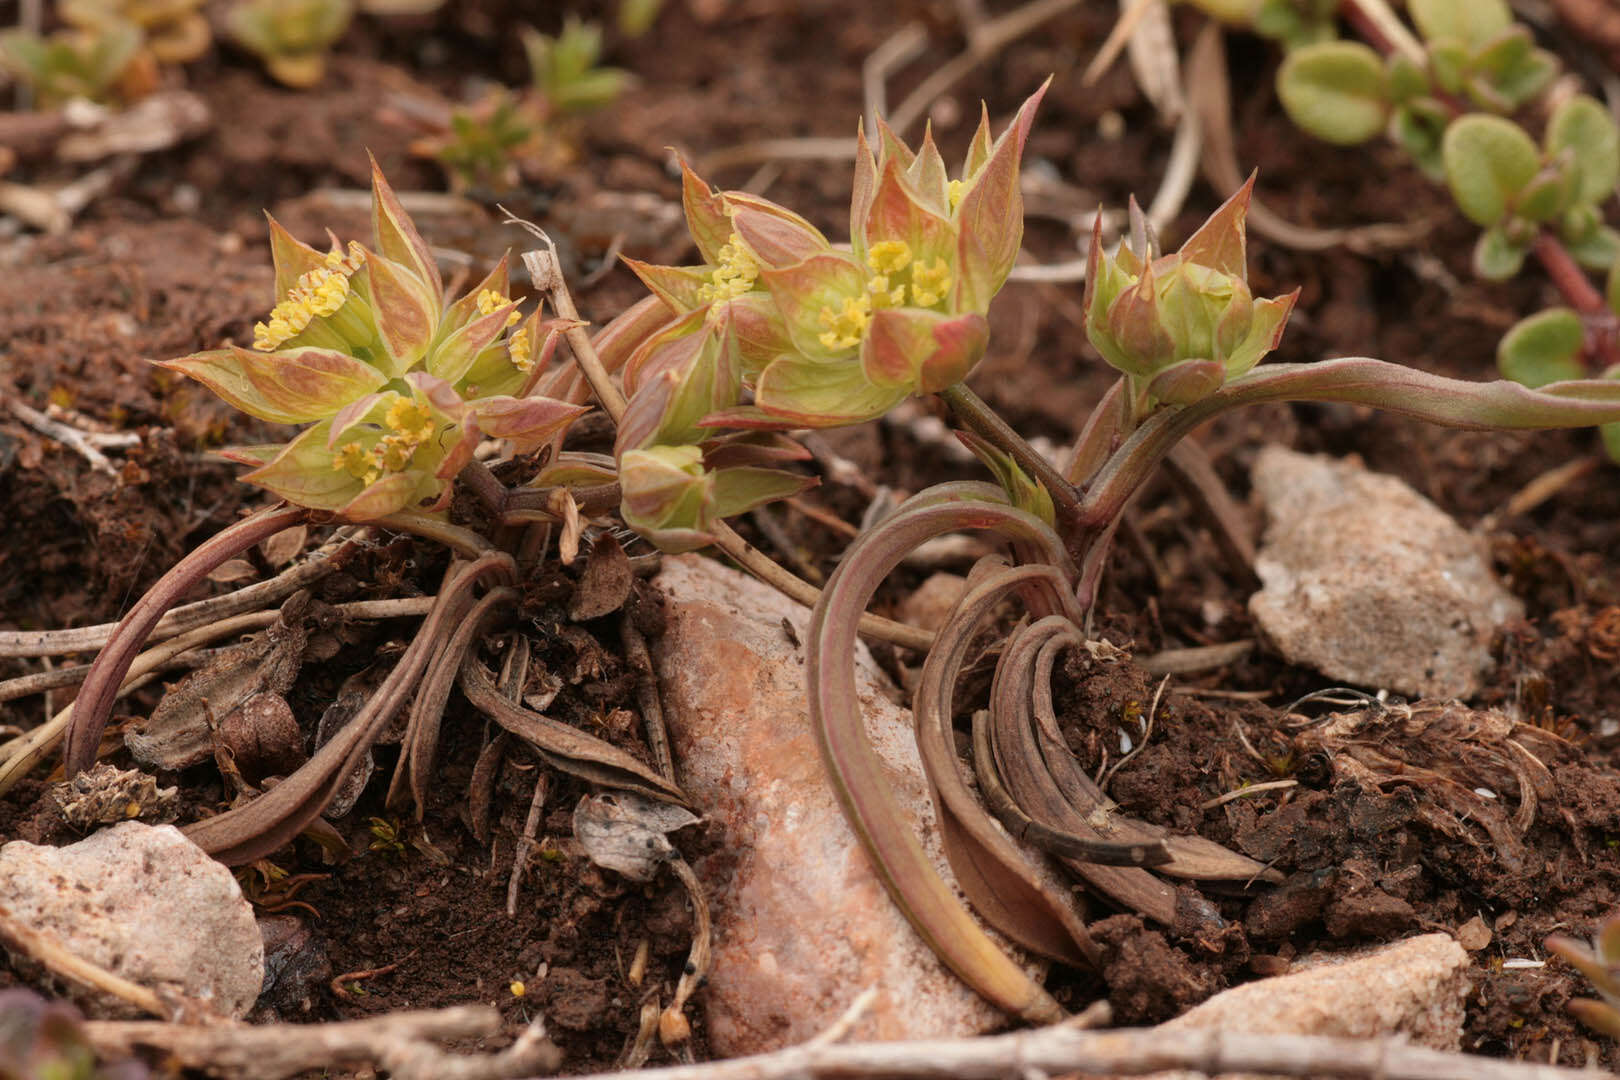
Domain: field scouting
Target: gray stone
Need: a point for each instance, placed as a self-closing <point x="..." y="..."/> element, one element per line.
<point x="1367" y="581"/>
<point x="802" y="923"/>
<point x="145" y="903"/>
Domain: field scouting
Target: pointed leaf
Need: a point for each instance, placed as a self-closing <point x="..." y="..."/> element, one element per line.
<point x="403" y="312"/>
<point x="528" y="422"/>
<point x="303" y="474"/>
<point x="292" y="257"/>
<point x="1488" y="160"/>
<point x="899" y="213"/>
<point x="293" y="386"/>
<point x="676" y="286"/>
<point x="616" y="342"/>
<point x="864" y="187"/>
<point x="989" y="215"/>
<point x="388" y="495"/>
<point x="1221" y="241"/>
<point x="454" y="356"/>
<point x="460" y="313"/>
<point x="1266" y="325"/>
<point x="776" y="237"/>
<point x="739" y="490"/>
<point x="927" y="175"/>
<point x="1337" y="91"/>
<point x="892" y="148"/>
<point x="706" y="217"/>
<point x="397" y="239"/>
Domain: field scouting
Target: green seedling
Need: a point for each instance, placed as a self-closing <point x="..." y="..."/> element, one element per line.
<point x="564" y="68"/>
<point x="1599" y="961"/>
<point x="71" y="64"/>
<point x="290" y="36"/>
<point x="488" y="141"/>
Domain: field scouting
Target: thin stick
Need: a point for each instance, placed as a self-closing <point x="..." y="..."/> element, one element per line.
<point x="1124" y="1052"/>
<point x="1147" y="733"/>
<point x="1245" y="792"/>
<point x="82" y="443"/>
<point x="526" y="843"/>
<point x="983" y="421"/>
<point x="898" y="50"/>
<point x="322" y="561"/>
<point x="404" y="1043"/>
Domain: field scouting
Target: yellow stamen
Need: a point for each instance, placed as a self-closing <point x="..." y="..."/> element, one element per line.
<point x="413" y="422"/>
<point x="846" y="325"/>
<point x="353" y="459"/>
<point x="394" y="452"/>
<point x="735" y="274"/>
<point x="521" y="349"/>
<point x="954" y="192"/>
<point x="929" y="284"/>
<point x="318" y="292"/>
<point x="490" y="301"/>
<point x="889" y="256"/>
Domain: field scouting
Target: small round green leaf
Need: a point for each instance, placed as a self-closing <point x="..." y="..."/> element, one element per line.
<point x="1598" y="249"/>
<point x="1544" y="348"/>
<point x="1336" y="91"/>
<point x="1407" y="78"/>
<point x="1496" y="257"/>
<point x="1585" y="128"/>
<point x="1488" y="161"/>
<point x="1472" y="21"/>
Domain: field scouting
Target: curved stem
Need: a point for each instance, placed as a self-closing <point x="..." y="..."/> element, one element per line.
<point x="977" y="416"/>
<point x="94" y="703"/>
<point x="858" y="776"/>
<point x="464" y="542"/>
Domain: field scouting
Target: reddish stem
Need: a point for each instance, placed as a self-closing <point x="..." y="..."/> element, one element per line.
<point x="1568" y="276"/>
<point x="94" y="703"/>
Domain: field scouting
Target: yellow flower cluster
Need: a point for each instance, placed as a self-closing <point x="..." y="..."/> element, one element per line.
<point x="897" y="276"/>
<point x="317" y="292"/>
<point x="734" y="276"/>
<point x="895" y="268"/>
<point x="846" y="325"/>
<point x="489" y="301"/>
<point x="521" y="349"/>
<point x="410" y="425"/>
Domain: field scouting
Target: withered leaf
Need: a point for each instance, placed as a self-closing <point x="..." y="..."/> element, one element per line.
<point x="605" y="585"/>
<point x="625" y="832"/>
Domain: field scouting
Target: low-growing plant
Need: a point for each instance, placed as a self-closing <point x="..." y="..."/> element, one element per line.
<point x="69" y="64"/>
<point x="780" y="328"/>
<point x="507" y="136"/>
<point x="173" y="31"/>
<point x="1449" y="95"/>
<point x="291" y="37"/>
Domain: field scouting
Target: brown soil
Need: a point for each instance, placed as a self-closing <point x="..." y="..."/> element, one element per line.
<point x="173" y="260"/>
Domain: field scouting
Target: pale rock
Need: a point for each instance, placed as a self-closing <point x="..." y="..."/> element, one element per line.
<point x="1413" y="988"/>
<point x="931" y="604"/>
<point x="1368" y="582"/>
<point x="802" y="923"/>
<point x="144" y="903"/>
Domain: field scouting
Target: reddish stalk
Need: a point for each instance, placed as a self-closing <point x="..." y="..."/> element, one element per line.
<point x="94" y="703"/>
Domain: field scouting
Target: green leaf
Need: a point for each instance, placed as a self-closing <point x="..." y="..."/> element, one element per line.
<point x="1488" y="161"/>
<point x="1584" y="127"/>
<point x="1497" y="258"/>
<point x="1407" y="78"/>
<point x="1548" y="194"/>
<point x="1418" y="126"/>
<point x="1449" y="60"/>
<point x="1510" y="71"/>
<point x="1544" y="348"/>
<point x="1336" y="91"/>
<point x="1472" y="21"/>
<point x="1597" y="250"/>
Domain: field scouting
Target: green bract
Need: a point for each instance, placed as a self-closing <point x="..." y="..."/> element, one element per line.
<point x="399" y="385"/>
<point x="71" y="63"/>
<point x="779" y="328"/>
<point x="1544" y="348"/>
<point x="1180" y="325"/>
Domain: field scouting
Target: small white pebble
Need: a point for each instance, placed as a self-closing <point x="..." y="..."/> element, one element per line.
<point x="1125" y="743"/>
<point x="1523" y="962"/>
<point x="1111" y="125"/>
<point x="1485" y="791"/>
